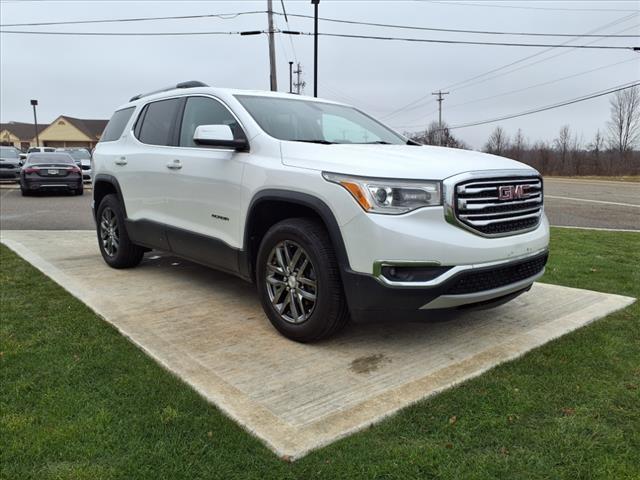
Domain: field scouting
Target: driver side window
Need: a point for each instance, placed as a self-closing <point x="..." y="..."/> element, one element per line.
<point x="205" y="111"/>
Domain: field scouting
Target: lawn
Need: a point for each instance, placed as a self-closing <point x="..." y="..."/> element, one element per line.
<point x="78" y="401"/>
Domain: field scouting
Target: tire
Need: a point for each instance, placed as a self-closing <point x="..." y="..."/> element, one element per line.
<point x="315" y="319"/>
<point x="110" y="226"/>
<point x="25" y="192"/>
<point x="80" y="191"/>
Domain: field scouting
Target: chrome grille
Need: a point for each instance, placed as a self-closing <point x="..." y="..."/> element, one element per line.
<point x="499" y="206"/>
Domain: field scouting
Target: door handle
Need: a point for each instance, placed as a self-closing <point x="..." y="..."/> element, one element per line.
<point x="121" y="161"/>
<point x="175" y="165"/>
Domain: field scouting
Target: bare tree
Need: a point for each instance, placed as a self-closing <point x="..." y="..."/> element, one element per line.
<point x="596" y="147"/>
<point x="576" y="155"/>
<point x="561" y="144"/>
<point x="543" y="155"/>
<point x="518" y="145"/>
<point x="498" y="142"/>
<point x="431" y="136"/>
<point x="624" y="126"/>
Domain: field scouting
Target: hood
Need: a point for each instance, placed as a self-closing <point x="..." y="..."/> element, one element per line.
<point x="393" y="161"/>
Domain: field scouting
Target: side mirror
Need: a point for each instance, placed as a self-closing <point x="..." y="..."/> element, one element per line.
<point x="218" y="136"/>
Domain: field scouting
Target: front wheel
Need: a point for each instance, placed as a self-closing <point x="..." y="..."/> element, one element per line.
<point x="115" y="246"/>
<point x="299" y="281"/>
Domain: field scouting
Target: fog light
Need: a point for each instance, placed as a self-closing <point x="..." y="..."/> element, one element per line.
<point x="412" y="274"/>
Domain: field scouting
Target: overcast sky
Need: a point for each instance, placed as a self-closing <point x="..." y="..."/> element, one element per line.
<point x="88" y="77"/>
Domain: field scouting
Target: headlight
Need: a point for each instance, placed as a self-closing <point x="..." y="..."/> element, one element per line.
<point x="379" y="195"/>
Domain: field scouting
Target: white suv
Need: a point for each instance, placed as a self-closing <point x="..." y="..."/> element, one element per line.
<point x="332" y="214"/>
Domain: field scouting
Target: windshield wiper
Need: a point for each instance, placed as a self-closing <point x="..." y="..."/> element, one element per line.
<point x="377" y="142"/>
<point x="322" y="142"/>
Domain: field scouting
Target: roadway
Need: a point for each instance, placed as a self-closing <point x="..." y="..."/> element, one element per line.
<point x="593" y="203"/>
<point x="568" y="202"/>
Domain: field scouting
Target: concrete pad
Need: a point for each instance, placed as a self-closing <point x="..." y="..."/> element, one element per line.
<point x="208" y="328"/>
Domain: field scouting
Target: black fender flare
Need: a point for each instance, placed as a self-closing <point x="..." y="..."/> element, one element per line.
<point x="106" y="178"/>
<point x="304" y="199"/>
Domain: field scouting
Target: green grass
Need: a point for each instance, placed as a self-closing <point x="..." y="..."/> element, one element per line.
<point x="78" y="401"/>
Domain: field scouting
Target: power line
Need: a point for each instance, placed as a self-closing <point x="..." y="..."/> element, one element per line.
<point x="286" y="20"/>
<point x="506" y="93"/>
<point x="416" y="103"/>
<point x="456" y="30"/>
<point x="549" y="107"/>
<point x="455" y="105"/>
<point x="338" y="35"/>
<point x="346" y="98"/>
<point x="228" y="16"/>
<point x="327" y="34"/>
<point x="537" y="54"/>
<point x="517" y="69"/>
<point x="484" y="4"/>
<point x="133" y="34"/>
<point x="222" y="16"/>
<point x="283" y="50"/>
<point x="465" y="42"/>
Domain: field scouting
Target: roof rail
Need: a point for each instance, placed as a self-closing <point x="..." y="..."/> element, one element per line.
<point x="189" y="84"/>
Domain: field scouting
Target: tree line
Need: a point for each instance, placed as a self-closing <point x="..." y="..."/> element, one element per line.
<point x="612" y="151"/>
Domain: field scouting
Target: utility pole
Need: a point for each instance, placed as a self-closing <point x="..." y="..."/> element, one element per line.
<point x="440" y="94"/>
<point x="272" y="49"/>
<point x="315" y="47"/>
<point x="34" y="104"/>
<point x="299" y="84"/>
<point x="290" y="77"/>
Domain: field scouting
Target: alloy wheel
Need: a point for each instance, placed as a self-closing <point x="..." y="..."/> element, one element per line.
<point x="291" y="282"/>
<point x="109" y="232"/>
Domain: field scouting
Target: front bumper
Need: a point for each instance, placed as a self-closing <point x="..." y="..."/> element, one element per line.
<point x="425" y="236"/>
<point x="481" y="285"/>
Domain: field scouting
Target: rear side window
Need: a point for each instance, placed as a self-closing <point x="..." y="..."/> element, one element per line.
<point x="158" y="123"/>
<point x="116" y="125"/>
<point x="205" y="111"/>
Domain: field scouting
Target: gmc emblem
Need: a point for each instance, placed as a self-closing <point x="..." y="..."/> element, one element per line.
<point x="512" y="192"/>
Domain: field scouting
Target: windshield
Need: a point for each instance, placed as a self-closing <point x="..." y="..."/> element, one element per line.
<point x="37" y="158"/>
<point x="79" y="154"/>
<point x="8" y="152"/>
<point x="307" y="121"/>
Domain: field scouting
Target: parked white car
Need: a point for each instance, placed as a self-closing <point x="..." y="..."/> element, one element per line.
<point x="41" y="150"/>
<point x="331" y="213"/>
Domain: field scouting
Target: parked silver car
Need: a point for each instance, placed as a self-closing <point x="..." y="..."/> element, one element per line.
<point x="10" y="163"/>
<point x="82" y="157"/>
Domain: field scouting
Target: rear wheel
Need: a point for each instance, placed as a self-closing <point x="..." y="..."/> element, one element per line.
<point x="115" y="246"/>
<point x="299" y="281"/>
